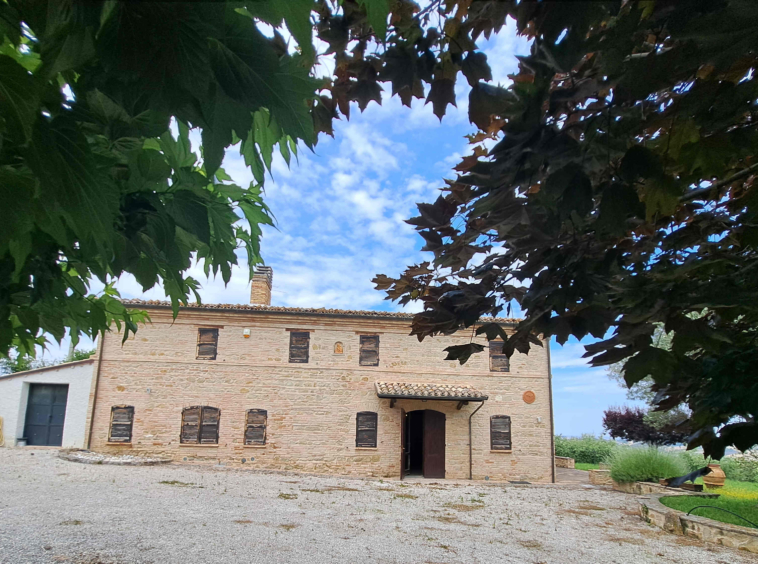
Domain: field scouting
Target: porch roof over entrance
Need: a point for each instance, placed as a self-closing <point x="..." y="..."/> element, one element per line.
<point x="415" y="390"/>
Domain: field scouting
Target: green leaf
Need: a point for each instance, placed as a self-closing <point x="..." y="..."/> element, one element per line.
<point x="223" y="116"/>
<point x="377" y="12"/>
<point x="19" y="97"/>
<point x="250" y="72"/>
<point x="72" y="179"/>
<point x="191" y="214"/>
<point x="661" y="196"/>
<point x="295" y="13"/>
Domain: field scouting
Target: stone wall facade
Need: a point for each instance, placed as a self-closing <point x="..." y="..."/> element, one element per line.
<point x="312" y="406"/>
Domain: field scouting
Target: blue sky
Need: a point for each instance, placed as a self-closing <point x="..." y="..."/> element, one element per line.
<point x="340" y="215"/>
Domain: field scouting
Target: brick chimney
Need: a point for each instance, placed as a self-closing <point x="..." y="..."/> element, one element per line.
<point x="260" y="292"/>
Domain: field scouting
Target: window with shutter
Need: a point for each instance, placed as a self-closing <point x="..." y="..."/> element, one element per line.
<point x="369" y="350"/>
<point x="255" y="427"/>
<point x="365" y="429"/>
<point x="500" y="432"/>
<point x="299" y="343"/>
<point x="200" y="425"/>
<point x="209" y="425"/>
<point x="122" y="419"/>
<point x="499" y="362"/>
<point x="207" y="342"/>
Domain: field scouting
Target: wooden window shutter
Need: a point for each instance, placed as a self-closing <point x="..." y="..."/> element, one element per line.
<point x="255" y="427"/>
<point x="207" y="343"/>
<point x="191" y="425"/>
<point x="209" y="425"/>
<point x="500" y="432"/>
<point x="365" y="429"/>
<point x="122" y="420"/>
<point x="499" y="362"/>
<point x="299" y="344"/>
<point x="369" y="350"/>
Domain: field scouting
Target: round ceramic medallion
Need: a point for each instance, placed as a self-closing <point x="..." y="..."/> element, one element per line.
<point x="529" y="397"/>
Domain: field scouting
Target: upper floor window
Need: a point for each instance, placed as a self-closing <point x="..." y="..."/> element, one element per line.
<point x="255" y="427"/>
<point x="499" y="362"/>
<point x="365" y="429"/>
<point x="207" y="342"/>
<point x="500" y="432"/>
<point x="299" y="344"/>
<point x="369" y="350"/>
<point x="122" y="420"/>
<point x="200" y="425"/>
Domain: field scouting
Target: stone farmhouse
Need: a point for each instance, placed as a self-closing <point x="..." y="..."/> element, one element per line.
<point x="317" y="390"/>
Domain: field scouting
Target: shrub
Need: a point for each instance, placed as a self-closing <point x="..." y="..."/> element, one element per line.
<point x="740" y="467"/>
<point x="647" y="464"/>
<point x="694" y="460"/>
<point x="588" y="449"/>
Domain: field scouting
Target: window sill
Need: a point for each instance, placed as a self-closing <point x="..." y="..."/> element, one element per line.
<point x="366" y="448"/>
<point x="118" y="444"/>
<point x="502" y="451"/>
<point x="194" y="445"/>
<point x="254" y="446"/>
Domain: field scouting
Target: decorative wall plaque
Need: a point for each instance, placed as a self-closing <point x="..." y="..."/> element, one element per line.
<point x="338" y="348"/>
<point x="529" y="397"/>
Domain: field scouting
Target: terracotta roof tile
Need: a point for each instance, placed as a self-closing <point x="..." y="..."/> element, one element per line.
<point x="450" y="392"/>
<point x="293" y="310"/>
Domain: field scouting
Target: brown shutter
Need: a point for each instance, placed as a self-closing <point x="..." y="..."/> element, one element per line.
<point x="191" y="425"/>
<point x="500" y="432"/>
<point x="365" y="429"/>
<point x="369" y="350"/>
<point x="207" y="343"/>
<point x="255" y="428"/>
<point x="299" y="343"/>
<point x="499" y="362"/>
<point x="122" y="419"/>
<point x="209" y="425"/>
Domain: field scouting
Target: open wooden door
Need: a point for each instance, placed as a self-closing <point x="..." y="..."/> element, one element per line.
<point x="403" y="433"/>
<point x="434" y="444"/>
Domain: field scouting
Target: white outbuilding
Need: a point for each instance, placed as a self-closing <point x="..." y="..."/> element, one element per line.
<point x="47" y="406"/>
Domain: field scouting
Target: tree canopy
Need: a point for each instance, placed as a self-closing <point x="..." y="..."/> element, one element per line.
<point x="618" y="194"/>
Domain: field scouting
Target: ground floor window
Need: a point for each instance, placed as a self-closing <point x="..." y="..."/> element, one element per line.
<point x="200" y="425"/>
<point x="365" y="429"/>
<point x="500" y="432"/>
<point x="255" y="427"/>
<point x="122" y="421"/>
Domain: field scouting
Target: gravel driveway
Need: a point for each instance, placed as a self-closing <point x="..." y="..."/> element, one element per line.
<point x="57" y="511"/>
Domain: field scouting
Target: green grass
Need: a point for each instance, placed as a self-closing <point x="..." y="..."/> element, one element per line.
<point x="586" y="466"/>
<point x="739" y="497"/>
<point x="747" y="509"/>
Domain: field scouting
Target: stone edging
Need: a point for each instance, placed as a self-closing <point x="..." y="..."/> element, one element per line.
<point x="677" y="522"/>
<point x="88" y="457"/>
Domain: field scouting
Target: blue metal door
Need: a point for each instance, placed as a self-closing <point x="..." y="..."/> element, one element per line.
<point x="45" y="414"/>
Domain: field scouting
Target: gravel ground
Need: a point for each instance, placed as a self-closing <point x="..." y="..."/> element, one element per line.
<point x="52" y="511"/>
<point x="89" y="457"/>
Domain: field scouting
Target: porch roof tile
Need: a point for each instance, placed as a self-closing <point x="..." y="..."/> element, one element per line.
<point x="416" y="390"/>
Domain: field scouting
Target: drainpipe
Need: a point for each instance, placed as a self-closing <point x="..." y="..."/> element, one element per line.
<point x="97" y="381"/>
<point x="470" y="449"/>
<point x="550" y="401"/>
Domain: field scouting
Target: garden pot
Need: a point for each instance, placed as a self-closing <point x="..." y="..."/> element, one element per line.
<point x="716" y="478"/>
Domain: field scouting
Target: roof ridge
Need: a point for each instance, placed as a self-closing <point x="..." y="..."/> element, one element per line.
<point x="284" y="309"/>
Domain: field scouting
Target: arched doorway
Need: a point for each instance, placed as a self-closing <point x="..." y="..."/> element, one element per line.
<point x="424" y="444"/>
